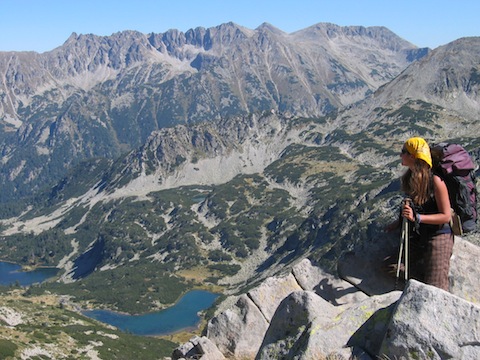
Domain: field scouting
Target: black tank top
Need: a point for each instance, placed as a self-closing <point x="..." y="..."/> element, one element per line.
<point x="428" y="230"/>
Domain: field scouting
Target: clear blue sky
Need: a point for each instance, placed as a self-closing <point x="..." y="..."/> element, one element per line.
<point x="42" y="25"/>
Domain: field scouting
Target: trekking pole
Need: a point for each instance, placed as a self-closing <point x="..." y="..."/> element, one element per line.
<point x="399" y="261"/>
<point x="403" y="247"/>
<point x="405" y="240"/>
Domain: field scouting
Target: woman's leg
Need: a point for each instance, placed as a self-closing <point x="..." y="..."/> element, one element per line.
<point x="437" y="260"/>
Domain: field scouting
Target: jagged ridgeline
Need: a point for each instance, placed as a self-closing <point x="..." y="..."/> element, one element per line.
<point x="100" y="96"/>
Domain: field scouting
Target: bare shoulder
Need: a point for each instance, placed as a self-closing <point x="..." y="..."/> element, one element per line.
<point x="437" y="179"/>
<point x="438" y="182"/>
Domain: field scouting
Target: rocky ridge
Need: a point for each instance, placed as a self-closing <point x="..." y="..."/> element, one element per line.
<point x="436" y="97"/>
<point x="451" y="79"/>
<point x="310" y="314"/>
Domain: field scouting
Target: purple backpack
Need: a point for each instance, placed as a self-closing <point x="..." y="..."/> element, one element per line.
<point x="455" y="166"/>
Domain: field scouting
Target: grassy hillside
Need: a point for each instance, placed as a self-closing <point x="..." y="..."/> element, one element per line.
<point x="41" y="327"/>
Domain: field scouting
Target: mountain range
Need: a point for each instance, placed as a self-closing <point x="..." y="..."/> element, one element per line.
<point x="146" y="165"/>
<point x="103" y="96"/>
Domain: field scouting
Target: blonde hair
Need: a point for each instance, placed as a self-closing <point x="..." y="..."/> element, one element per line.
<point x="418" y="183"/>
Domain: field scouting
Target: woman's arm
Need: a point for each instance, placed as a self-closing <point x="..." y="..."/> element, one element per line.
<point x="443" y="204"/>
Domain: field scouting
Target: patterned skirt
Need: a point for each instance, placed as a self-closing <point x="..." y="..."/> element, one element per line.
<point x="437" y="260"/>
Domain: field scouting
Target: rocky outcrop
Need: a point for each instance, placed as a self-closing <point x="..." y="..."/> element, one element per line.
<point x="360" y="268"/>
<point x="239" y="331"/>
<point x="198" y="347"/>
<point x="429" y="323"/>
<point x="310" y="314"/>
<point x="464" y="278"/>
<point x="308" y="327"/>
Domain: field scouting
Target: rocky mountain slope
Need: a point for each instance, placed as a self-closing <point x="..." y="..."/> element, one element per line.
<point x="248" y="194"/>
<point x="450" y="80"/>
<point x="103" y="96"/>
<point x="231" y="202"/>
<point x="436" y="97"/>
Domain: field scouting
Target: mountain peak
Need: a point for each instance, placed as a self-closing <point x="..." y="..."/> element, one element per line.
<point x="269" y="27"/>
<point x="231" y="28"/>
<point x="381" y="34"/>
<point x="447" y="77"/>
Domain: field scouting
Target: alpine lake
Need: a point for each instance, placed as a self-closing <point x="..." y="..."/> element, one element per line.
<point x="181" y="316"/>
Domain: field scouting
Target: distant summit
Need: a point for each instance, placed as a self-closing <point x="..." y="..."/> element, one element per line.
<point x="100" y="96"/>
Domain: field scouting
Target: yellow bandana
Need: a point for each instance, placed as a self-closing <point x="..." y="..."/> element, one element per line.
<point x="419" y="148"/>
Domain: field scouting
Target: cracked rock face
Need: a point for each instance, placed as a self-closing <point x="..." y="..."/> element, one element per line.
<point x="429" y="323"/>
<point x="10" y="317"/>
<point x="310" y="314"/>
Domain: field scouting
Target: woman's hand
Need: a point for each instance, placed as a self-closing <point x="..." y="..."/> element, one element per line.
<point x="407" y="211"/>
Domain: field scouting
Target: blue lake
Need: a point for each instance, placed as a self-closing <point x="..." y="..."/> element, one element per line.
<point x="12" y="274"/>
<point x="182" y="315"/>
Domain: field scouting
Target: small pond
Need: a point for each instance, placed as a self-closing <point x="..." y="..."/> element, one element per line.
<point x="13" y="274"/>
<point x="183" y="315"/>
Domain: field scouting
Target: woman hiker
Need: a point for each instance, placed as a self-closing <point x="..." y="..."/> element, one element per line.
<point x="429" y="213"/>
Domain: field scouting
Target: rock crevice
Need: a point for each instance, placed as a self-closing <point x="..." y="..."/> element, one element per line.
<point x="310" y="314"/>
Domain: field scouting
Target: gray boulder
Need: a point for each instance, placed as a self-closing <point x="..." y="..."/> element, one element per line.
<point x="295" y="327"/>
<point x="271" y="292"/>
<point x="200" y="348"/>
<point x="430" y="323"/>
<point x="238" y="331"/>
<point x="464" y="271"/>
<point x="306" y="326"/>
<point x="331" y="288"/>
